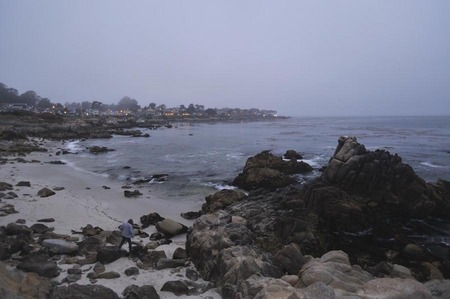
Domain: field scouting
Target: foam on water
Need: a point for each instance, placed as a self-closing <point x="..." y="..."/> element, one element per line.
<point x="83" y="170"/>
<point x="74" y="146"/>
<point x="429" y="164"/>
<point x="219" y="186"/>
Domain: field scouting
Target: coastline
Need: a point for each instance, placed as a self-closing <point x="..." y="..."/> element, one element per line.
<point x="87" y="198"/>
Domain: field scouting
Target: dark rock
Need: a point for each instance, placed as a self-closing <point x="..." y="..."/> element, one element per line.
<point x="17" y="229"/>
<point x="109" y="254"/>
<point x="89" y="244"/>
<point x="45" y="192"/>
<point x="268" y="171"/>
<point x="5" y="186"/>
<point x="222" y="199"/>
<point x="83" y="292"/>
<point x="99" y="149"/>
<point x="256" y="178"/>
<point x="141" y="181"/>
<point x="192" y="274"/>
<point x="40" y="228"/>
<point x="179" y="253"/>
<point x="164" y="263"/>
<point x="165" y="242"/>
<point x="108" y="275"/>
<point x="99" y="268"/>
<point x="74" y="271"/>
<point x="23" y="184"/>
<point x="40" y="264"/>
<point x="89" y="230"/>
<point x="132" y="271"/>
<point x="71" y="278"/>
<point x="46" y="220"/>
<point x="150" y="259"/>
<point x="143" y="292"/>
<point x="156" y="236"/>
<point x="176" y="287"/>
<point x="10" y="195"/>
<point x="57" y="162"/>
<point x="16" y="284"/>
<point x="150" y="219"/>
<point x="292" y="155"/>
<point x="162" y="177"/>
<point x="290" y="258"/>
<point x="191" y="215"/>
<point x="134" y="193"/>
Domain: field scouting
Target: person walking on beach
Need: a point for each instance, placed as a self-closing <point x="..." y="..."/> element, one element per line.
<point x="127" y="233"/>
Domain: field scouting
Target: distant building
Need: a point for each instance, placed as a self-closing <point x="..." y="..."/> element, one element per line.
<point x="18" y="106"/>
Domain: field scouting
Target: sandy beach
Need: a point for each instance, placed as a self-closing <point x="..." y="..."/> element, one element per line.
<point x="87" y="198"/>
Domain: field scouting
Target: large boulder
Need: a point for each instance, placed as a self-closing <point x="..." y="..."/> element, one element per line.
<point x="335" y="270"/>
<point x="384" y="181"/>
<point x="171" y="228"/>
<point x="83" y="292"/>
<point x="60" y="246"/>
<point x="210" y="234"/>
<point x="266" y="170"/>
<point x="143" y="292"/>
<point x="290" y="258"/>
<point x="150" y="219"/>
<point x="17" y="229"/>
<point x="222" y="199"/>
<point x="40" y="264"/>
<point x="16" y="284"/>
<point x="109" y="254"/>
<point x="360" y="187"/>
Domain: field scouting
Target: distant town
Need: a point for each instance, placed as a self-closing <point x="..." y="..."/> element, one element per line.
<point x="10" y="100"/>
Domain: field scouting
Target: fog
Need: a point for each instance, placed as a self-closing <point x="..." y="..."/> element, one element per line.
<point x="301" y="58"/>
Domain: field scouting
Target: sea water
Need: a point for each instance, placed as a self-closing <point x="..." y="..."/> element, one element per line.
<point x="202" y="158"/>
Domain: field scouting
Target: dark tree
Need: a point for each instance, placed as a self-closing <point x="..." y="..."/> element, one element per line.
<point x="211" y="112"/>
<point x="86" y="105"/>
<point x="97" y="105"/>
<point x="191" y="108"/>
<point x="8" y="95"/>
<point x="128" y="103"/>
<point x="30" y="97"/>
<point x="44" y="103"/>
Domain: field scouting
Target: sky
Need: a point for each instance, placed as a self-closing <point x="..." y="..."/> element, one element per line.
<point x="301" y="58"/>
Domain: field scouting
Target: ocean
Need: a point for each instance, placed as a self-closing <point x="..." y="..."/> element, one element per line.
<point x="201" y="158"/>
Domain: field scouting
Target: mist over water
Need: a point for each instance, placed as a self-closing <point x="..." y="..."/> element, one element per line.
<point x="200" y="159"/>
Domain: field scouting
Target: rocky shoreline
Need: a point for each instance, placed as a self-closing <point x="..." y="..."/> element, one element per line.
<point x="347" y="234"/>
<point x="20" y="125"/>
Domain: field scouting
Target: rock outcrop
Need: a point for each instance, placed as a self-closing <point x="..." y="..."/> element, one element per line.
<point x="365" y="202"/>
<point x="266" y="170"/>
<point x="360" y="188"/>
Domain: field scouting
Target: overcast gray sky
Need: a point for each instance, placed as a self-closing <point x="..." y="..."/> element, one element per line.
<point x="296" y="57"/>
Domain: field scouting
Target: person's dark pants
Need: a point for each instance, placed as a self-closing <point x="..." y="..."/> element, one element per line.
<point x="126" y="240"/>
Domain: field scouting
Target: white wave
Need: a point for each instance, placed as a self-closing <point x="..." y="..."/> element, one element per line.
<point x="429" y="164"/>
<point x="73" y="146"/>
<point x="314" y="162"/>
<point x="219" y="186"/>
<point x="235" y="155"/>
<point x="79" y="169"/>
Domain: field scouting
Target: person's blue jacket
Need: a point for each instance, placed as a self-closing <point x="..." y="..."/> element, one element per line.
<point x="127" y="230"/>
